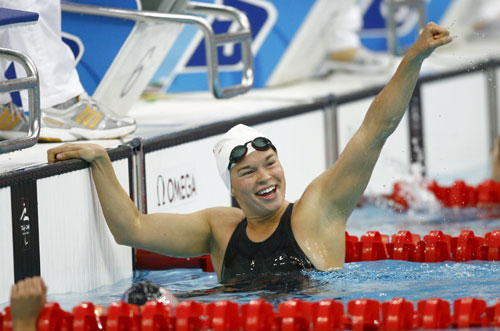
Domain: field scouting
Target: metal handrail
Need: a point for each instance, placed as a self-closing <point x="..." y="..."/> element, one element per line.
<point x="392" y="38"/>
<point x="491" y="75"/>
<point x="30" y="83"/>
<point x="244" y="36"/>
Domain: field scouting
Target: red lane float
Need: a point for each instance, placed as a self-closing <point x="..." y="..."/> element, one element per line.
<point x="469" y="312"/>
<point x="294" y="315"/>
<point x="6" y="320"/>
<point x="259" y="315"/>
<point x="433" y="313"/>
<point x="156" y="316"/>
<point x="435" y="247"/>
<point x="189" y="315"/>
<point x="328" y="315"/>
<point x="146" y="260"/>
<point x="123" y="316"/>
<point x="398" y="314"/>
<point x="86" y="317"/>
<point x="364" y="314"/>
<point x="459" y="195"/>
<point x="52" y="317"/>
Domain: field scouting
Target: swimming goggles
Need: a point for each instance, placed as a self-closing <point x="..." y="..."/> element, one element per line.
<point x="239" y="152"/>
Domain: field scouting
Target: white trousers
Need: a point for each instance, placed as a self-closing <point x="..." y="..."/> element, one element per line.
<point x="488" y="11"/>
<point x="42" y="42"/>
<point x="346" y="23"/>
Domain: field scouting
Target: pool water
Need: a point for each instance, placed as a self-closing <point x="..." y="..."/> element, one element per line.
<point x="381" y="280"/>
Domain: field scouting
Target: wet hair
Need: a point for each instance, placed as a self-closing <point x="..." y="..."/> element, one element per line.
<point x="141" y="292"/>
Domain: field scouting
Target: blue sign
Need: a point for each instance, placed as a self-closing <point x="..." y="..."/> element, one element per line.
<point x="99" y="38"/>
<point x="374" y="33"/>
<point x="274" y="26"/>
<point x="259" y="16"/>
<point x="273" y="23"/>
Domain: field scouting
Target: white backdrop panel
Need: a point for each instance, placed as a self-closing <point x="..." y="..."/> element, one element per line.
<point x="184" y="178"/>
<point x="77" y="251"/>
<point x="394" y="161"/>
<point x="455" y="121"/>
<point x="6" y="246"/>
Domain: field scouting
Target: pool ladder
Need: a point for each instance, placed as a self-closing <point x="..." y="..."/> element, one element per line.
<point x="392" y="33"/>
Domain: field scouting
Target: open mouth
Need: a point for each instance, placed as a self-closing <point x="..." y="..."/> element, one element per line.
<point x="267" y="191"/>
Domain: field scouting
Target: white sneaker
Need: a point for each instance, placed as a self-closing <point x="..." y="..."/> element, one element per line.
<point x="83" y="118"/>
<point x="363" y="61"/>
<point x="13" y="122"/>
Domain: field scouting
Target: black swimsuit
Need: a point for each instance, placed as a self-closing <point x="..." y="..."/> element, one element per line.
<point x="278" y="253"/>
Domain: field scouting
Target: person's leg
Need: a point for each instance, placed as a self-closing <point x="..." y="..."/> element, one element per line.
<point x="68" y="113"/>
<point x="13" y="122"/>
<point x="42" y="42"/>
<point x="487" y="16"/>
<point x="4" y="64"/>
<point x="344" y="40"/>
<point x="345" y="52"/>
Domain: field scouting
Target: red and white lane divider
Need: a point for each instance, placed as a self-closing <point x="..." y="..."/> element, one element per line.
<point x="435" y="247"/>
<point x="259" y="315"/>
<point x="459" y="195"/>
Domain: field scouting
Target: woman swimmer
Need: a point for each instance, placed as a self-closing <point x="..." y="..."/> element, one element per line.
<point x="267" y="233"/>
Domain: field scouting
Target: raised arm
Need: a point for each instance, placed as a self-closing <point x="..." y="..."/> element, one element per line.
<point x="337" y="191"/>
<point x="171" y="234"/>
<point x="495" y="161"/>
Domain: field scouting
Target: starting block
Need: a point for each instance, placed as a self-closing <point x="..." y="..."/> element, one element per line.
<point x="10" y="18"/>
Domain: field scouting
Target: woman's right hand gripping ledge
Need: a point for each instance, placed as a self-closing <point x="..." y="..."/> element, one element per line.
<point x="87" y="152"/>
<point x="119" y="211"/>
<point x="166" y="233"/>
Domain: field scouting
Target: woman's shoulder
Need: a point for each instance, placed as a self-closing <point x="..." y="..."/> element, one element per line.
<point x="225" y="215"/>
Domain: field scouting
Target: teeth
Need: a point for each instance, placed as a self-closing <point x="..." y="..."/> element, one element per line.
<point x="267" y="190"/>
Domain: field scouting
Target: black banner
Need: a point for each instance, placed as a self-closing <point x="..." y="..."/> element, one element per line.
<point x="25" y="229"/>
<point x="417" y="144"/>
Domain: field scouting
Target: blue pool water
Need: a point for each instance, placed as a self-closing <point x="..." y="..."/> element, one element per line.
<point x="381" y="280"/>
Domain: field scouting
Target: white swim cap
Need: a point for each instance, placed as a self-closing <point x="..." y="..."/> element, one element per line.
<point x="237" y="135"/>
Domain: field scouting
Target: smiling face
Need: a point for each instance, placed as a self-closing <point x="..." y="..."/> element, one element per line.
<point x="258" y="183"/>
